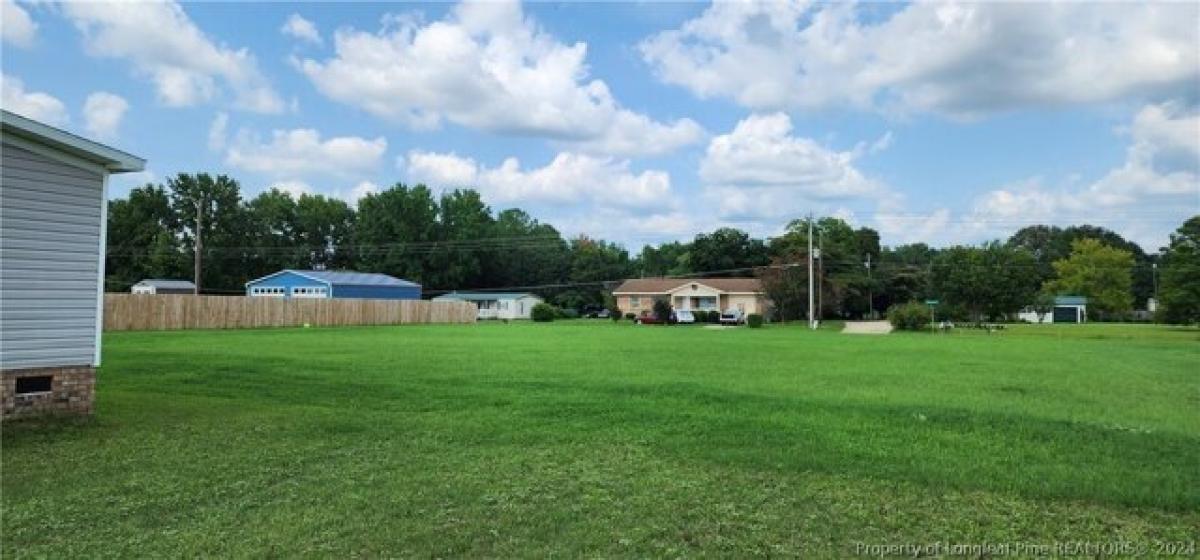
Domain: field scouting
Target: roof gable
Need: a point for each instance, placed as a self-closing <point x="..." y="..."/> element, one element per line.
<point x="168" y="284"/>
<point x="111" y="159"/>
<point x="668" y="285"/>
<point x="478" y="296"/>
<point x="344" y="278"/>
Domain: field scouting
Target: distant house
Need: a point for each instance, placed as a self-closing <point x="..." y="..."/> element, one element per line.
<point x="637" y="296"/>
<point x="497" y="305"/>
<point x="1067" y="309"/>
<point x="52" y="231"/>
<point x="152" y="286"/>
<point x="342" y="284"/>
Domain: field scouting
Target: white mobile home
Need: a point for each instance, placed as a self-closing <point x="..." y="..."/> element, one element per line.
<point x="52" y="228"/>
<point x="153" y="286"/>
<point x="497" y="305"/>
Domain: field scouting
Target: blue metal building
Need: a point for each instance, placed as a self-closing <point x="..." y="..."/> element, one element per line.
<point x="332" y="284"/>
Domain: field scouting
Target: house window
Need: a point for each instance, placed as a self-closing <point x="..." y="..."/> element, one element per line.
<point x="37" y="384"/>
<point x="635" y="301"/>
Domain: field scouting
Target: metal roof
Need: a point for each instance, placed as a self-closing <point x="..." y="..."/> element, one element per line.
<point x="1070" y="300"/>
<point x="664" y="285"/>
<point x="167" y="284"/>
<point x="346" y="278"/>
<point x="112" y="159"/>
<point x="478" y="296"/>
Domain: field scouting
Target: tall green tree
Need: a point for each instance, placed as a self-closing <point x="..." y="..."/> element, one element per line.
<point x="903" y="274"/>
<point x="993" y="280"/>
<point x="464" y="221"/>
<point x="596" y="267"/>
<point x="325" y="229"/>
<point x="1179" y="294"/>
<point x="667" y="259"/>
<point x="727" y="252"/>
<point x="143" y="239"/>
<point x="1050" y="244"/>
<point x="272" y="233"/>
<point x="209" y="211"/>
<point x="841" y="274"/>
<point x="526" y="252"/>
<point x="396" y="231"/>
<point x="1102" y="273"/>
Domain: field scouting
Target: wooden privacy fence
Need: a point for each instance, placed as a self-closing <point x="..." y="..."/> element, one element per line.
<point x="138" y="312"/>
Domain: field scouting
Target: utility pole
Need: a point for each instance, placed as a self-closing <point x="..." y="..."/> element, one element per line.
<point x="812" y="319"/>
<point x="199" y="240"/>
<point x="820" y="273"/>
<point x="1154" y="276"/>
<point x="870" y="290"/>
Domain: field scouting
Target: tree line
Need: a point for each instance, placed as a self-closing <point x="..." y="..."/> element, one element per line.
<point x="454" y="241"/>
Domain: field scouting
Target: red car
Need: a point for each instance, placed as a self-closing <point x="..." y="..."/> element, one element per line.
<point x="648" y="320"/>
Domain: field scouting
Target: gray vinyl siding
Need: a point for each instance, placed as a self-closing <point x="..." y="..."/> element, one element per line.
<point x="50" y="224"/>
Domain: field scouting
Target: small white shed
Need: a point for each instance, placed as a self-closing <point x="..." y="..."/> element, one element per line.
<point x="1067" y="309"/>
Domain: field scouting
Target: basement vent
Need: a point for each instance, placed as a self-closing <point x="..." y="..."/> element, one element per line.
<point x="39" y="384"/>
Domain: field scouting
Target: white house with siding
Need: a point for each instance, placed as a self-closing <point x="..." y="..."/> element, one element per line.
<point x="53" y="206"/>
<point x="496" y="305"/>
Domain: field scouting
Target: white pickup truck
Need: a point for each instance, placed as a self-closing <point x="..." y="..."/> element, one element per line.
<point x="733" y="317"/>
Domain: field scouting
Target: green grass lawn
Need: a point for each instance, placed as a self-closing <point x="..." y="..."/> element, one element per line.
<point x="601" y="439"/>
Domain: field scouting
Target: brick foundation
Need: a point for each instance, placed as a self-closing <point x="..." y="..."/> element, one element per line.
<point x="72" y="391"/>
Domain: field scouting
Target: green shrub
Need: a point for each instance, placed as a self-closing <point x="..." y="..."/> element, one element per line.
<point x="754" y="320"/>
<point x="631" y="316"/>
<point x="662" y="310"/>
<point x="566" y="313"/>
<point x="911" y="316"/>
<point x="543" y="313"/>
<point x="614" y="314"/>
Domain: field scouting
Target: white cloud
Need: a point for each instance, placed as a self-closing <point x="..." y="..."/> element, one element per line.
<point x="16" y="27"/>
<point x="102" y="114"/>
<point x="218" y="131"/>
<point x="960" y="59"/>
<point x="300" y="151"/>
<point x="36" y="105"/>
<point x="1156" y="188"/>
<point x="362" y="189"/>
<point x="292" y="187"/>
<point x="120" y="184"/>
<point x="163" y="44"/>
<point x="883" y="143"/>
<point x="300" y="28"/>
<point x="569" y="179"/>
<point x="488" y="67"/>
<point x="440" y="170"/>
<point x="351" y="195"/>
<point x="760" y="170"/>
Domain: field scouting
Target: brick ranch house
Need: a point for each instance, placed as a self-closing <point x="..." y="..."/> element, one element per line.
<point x="637" y="296"/>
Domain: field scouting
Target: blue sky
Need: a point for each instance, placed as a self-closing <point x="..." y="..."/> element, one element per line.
<point x="646" y="122"/>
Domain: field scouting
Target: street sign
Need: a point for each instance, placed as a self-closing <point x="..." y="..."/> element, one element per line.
<point x="931" y="302"/>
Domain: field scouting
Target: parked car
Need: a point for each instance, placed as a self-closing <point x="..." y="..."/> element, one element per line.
<point x="648" y="319"/>
<point x="733" y="317"/>
<point x="594" y="312"/>
<point x="685" y="317"/>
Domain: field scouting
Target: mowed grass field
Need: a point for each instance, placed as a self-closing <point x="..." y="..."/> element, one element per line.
<point x="598" y="439"/>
